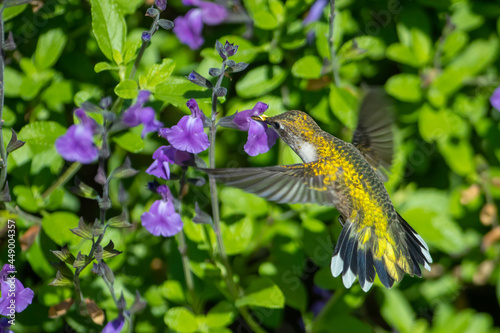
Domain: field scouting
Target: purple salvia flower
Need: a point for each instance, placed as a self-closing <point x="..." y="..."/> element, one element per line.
<point x="164" y="156"/>
<point x="495" y="99"/>
<point x="146" y="36"/>
<point x="87" y="121"/>
<point x="5" y="325"/>
<point x="21" y="298"/>
<point x="137" y="114"/>
<point x="161" y="219"/>
<point x="114" y="326"/>
<point x="260" y="137"/>
<point x="161" y="4"/>
<point x="188" y="29"/>
<point x="230" y="49"/>
<point x="77" y="145"/>
<point x="188" y="134"/>
<point x="315" y="12"/>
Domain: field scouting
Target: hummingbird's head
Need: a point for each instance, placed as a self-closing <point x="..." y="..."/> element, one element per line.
<point x="297" y="129"/>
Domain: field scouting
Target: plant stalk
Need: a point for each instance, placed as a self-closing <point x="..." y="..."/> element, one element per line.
<point x="333" y="55"/>
<point x="3" y="155"/>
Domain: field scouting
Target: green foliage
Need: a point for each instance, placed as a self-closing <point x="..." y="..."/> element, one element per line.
<point x="437" y="60"/>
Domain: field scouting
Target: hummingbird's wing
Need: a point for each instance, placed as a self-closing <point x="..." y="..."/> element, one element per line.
<point x="294" y="183"/>
<point x="373" y="135"/>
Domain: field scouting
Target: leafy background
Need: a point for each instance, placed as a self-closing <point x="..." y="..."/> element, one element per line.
<point x="437" y="59"/>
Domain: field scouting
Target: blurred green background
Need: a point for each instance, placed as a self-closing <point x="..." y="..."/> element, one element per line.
<point x="438" y="60"/>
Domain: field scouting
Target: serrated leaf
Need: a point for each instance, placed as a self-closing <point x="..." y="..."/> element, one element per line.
<point x="64" y="255"/>
<point x="60" y="280"/>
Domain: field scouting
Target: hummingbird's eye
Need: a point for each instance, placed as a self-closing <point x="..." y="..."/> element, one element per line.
<point x="276" y="125"/>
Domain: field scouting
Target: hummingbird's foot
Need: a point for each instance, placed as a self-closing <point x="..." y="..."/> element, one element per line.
<point x="341" y="220"/>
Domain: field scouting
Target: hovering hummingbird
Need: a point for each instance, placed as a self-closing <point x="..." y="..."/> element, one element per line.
<point x="374" y="237"/>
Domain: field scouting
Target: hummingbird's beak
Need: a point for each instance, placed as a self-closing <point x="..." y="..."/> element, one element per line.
<point x="261" y="117"/>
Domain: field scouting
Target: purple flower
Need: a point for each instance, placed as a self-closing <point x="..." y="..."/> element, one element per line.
<point x="137" y="114"/>
<point x="161" y="4"/>
<point x="5" y="325"/>
<point x="495" y="99"/>
<point x="323" y="297"/>
<point x="164" y="156"/>
<point x="188" y="28"/>
<point x="260" y="137"/>
<point x="14" y="297"/>
<point x="146" y="36"/>
<point x="315" y="12"/>
<point x="161" y="219"/>
<point x="188" y="134"/>
<point x="77" y="145"/>
<point x="114" y="326"/>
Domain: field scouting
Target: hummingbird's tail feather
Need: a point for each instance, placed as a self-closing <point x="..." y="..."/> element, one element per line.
<point x="361" y="251"/>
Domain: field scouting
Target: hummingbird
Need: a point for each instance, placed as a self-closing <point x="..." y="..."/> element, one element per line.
<point x="374" y="239"/>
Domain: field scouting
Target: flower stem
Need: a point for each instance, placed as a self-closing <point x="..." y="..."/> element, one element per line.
<point x="69" y="173"/>
<point x="336" y="78"/>
<point x="316" y="326"/>
<point x="188" y="275"/>
<point x="3" y="155"/>
<point x="232" y="286"/>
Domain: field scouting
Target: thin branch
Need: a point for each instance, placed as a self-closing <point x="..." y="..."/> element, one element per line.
<point x="333" y="55"/>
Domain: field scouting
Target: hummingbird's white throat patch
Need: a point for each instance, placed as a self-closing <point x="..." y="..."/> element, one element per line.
<point x="306" y="151"/>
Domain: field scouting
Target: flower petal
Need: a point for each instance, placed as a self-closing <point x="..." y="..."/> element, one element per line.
<point x="188" y="29"/>
<point x="77" y="145"/>
<point x="315" y="12"/>
<point x="188" y="135"/>
<point x="495" y="99"/>
<point x="260" y="139"/>
<point x="162" y="220"/>
<point x="212" y="13"/>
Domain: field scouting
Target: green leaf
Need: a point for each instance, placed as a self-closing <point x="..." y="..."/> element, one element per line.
<point x="402" y="54"/>
<point x="397" y="311"/>
<point x="130" y="142"/>
<point x="109" y="28"/>
<point x="264" y="20"/>
<point x="37" y="257"/>
<point x="41" y="135"/>
<point x="405" y="87"/>
<point x="157" y="74"/>
<point x="459" y="155"/>
<point x="104" y="66"/>
<point x="173" y="291"/>
<point x="236" y="201"/>
<point x="178" y="90"/>
<point x="264" y="293"/>
<point x="49" y="48"/>
<point x="14" y="80"/>
<point x="308" y="67"/>
<point x="440" y="125"/>
<point x="344" y="105"/>
<point x="11" y="12"/>
<point x="127" y="89"/>
<point x="260" y="81"/>
<point x="25" y="198"/>
<point x="237" y="236"/>
<point x="181" y="320"/>
<point x="361" y="47"/>
<point x="221" y="315"/>
<point x="57" y="226"/>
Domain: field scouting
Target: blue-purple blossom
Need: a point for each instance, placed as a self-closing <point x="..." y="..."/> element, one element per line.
<point x="163" y="157"/>
<point x="260" y="137"/>
<point x="14" y="297"/>
<point x="5" y="325"/>
<point x="114" y="326"/>
<point x="146" y="36"/>
<point x="161" y="219"/>
<point x="323" y="297"/>
<point x="188" y="28"/>
<point x="188" y="135"/>
<point x="495" y="99"/>
<point x="77" y="144"/>
<point x="161" y="4"/>
<point x="137" y="114"/>
<point x="315" y="12"/>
